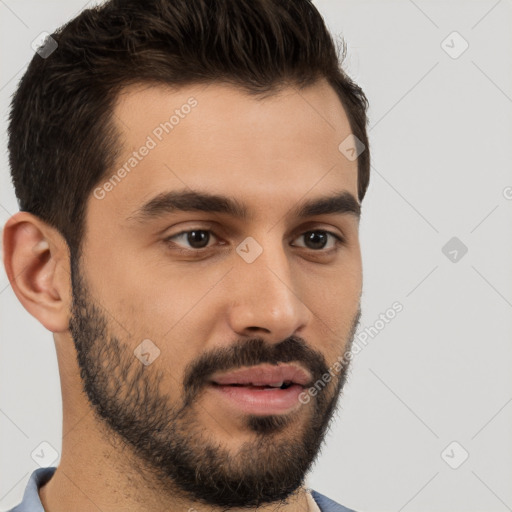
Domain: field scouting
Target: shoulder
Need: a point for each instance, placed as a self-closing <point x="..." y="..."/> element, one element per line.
<point x="31" y="501"/>
<point x="327" y="505"/>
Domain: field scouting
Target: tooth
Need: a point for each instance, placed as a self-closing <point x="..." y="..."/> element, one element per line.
<point x="276" y="384"/>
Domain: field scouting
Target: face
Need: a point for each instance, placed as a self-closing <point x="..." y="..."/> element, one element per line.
<point x="176" y="291"/>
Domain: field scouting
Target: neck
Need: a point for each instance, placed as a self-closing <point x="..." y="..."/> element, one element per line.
<point x="72" y="488"/>
<point x="93" y="475"/>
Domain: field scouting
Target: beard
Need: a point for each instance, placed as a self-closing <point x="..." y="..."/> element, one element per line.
<point x="173" y="450"/>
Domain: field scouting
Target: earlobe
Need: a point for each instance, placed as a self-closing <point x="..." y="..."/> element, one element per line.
<point x="37" y="265"/>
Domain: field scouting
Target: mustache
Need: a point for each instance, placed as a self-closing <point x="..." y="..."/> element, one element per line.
<point x="250" y="352"/>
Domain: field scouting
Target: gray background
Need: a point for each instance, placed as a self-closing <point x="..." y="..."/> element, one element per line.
<point x="439" y="372"/>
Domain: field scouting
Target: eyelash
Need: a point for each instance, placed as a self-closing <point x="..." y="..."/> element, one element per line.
<point x="168" y="241"/>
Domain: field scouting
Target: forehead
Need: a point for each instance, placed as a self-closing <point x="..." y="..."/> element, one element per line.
<point x="267" y="151"/>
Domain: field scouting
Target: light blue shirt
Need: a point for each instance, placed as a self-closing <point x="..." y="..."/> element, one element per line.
<point x="32" y="503"/>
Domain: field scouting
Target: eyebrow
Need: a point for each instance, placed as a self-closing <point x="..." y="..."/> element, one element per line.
<point x="341" y="203"/>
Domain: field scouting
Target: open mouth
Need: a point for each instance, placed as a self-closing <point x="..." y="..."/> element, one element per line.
<point x="278" y="385"/>
<point x="275" y="398"/>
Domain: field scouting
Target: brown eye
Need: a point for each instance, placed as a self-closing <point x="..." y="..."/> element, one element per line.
<point x="195" y="238"/>
<point x="317" y="239"/>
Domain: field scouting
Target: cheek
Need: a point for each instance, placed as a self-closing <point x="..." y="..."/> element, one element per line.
<point x="335" y="300"/>
<point x="338" y="286"/>
<point x="174" y="307"/>
<point x="335" y="305"/>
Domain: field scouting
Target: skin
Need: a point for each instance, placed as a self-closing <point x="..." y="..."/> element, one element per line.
<point x="270" y="154"/>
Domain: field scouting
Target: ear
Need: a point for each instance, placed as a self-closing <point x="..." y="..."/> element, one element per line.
<point x="36" y="260"/>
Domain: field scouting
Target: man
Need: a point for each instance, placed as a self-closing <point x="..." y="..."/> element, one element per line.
<point x="197" y="372"/>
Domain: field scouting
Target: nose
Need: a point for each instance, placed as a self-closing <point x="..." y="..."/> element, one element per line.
<point x="267" y="298"/>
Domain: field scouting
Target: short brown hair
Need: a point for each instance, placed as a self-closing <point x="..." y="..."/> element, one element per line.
<point x="62" y="138"/>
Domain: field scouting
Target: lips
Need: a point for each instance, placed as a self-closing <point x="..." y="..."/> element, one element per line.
<point x="281" y="376"/>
